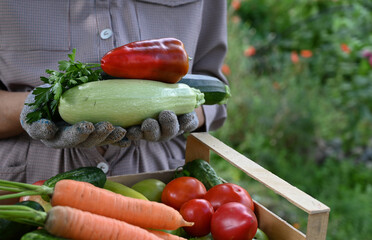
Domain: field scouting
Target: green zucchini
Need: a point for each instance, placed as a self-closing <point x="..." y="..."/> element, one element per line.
<point x="201" y="170"/>
<point x="126" y="102"/>
<point x="40" y="234"/>
<point x="92" y="175"/>
<point x="215" y="91"/>
<point x="10" y="230"/>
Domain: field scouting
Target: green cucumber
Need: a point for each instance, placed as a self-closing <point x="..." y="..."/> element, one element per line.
<point x="126" y="102"/>
<point x="203" y="171"/>
<point x="10" y="230"/>
<point x="40" y="234"/>
<point x="92" y="175"/>
<point x="215" y="91"/>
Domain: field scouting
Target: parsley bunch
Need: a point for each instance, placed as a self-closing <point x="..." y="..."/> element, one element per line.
<point x="71" y="73"/>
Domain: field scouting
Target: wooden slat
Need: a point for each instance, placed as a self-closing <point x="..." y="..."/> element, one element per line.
<point x="317" y="226"/>
<point x="196" y="150"/>
<point x="130" y="179"/>
<point x="275" y="227"/>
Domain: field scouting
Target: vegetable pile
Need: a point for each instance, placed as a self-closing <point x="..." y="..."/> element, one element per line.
<point x="157" y="64"/>
<point x="73" y="208"/>
<point x="218" y="209"/>
<point x="81" y="210"/>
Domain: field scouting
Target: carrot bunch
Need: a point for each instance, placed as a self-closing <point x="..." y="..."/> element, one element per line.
<point x="84" y="211"/>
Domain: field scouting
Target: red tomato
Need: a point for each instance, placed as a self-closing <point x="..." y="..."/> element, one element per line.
<point x="233" y="221"/>
<point x="182" y="189"/>
<point x="198" y="211"/>
<point x="40" y="182"/>
<point x="228" y="192"/>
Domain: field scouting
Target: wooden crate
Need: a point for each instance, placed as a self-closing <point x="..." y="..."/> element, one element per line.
<point x="199" y="146"/>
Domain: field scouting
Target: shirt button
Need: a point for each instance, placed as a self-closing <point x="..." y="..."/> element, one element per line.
<point x="103" y="166"/>
<point x="106" y="33"/>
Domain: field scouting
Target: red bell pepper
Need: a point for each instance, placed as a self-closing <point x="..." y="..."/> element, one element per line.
<point x="162" y="60"/>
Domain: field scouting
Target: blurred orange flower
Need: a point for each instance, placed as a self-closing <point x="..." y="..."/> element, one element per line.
<point x="276" y="85"/>
<point x="225" y="69"/>
<point x="249" y="51"/>
<point x="235" y="4"/>
<point x="306" y="53"/>
<point x="345" y="48"/>
<point x="296" y="225"/>
<point x="294" y="57"/>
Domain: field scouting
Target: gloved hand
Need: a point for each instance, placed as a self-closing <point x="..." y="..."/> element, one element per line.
<point x="167" y="126"/>
<point x="63" y="135"/>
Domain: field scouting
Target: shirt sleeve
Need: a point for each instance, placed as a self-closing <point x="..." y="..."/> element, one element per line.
<point x="210" y="54"/>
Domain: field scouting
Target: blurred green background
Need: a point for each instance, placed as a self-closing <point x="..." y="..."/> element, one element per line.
<point x="300" y="74"/>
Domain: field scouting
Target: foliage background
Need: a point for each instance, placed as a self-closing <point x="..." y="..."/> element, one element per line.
<point x="300" y="74"/>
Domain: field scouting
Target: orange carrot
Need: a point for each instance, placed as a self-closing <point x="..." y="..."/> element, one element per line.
<point x="76" y="224"/>
<point x="73" y="223"/>
<point x="165" y="235"/>
<point x="139" y="212"/>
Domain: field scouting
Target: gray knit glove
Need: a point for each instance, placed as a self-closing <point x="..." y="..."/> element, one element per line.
<point x="167" y="126"/>
<point x="63" y="135"/>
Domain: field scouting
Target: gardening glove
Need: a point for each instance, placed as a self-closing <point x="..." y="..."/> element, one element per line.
<point x="167" y="126"/>
<point x="62" y="135"/>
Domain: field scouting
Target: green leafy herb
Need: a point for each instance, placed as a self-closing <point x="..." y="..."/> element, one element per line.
<point x="71" y="73"/>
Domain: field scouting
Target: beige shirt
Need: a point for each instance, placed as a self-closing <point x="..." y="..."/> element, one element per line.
<point x="35" y="35"/>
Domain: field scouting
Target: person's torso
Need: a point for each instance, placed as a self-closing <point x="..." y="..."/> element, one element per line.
<point x="35" y="35"/>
